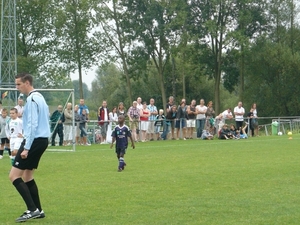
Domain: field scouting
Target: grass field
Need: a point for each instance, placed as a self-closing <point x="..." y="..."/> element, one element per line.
<point x="254" y="181"/>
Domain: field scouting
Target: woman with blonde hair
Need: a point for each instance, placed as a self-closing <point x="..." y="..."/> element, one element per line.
<point x="68" y="134"/>
<point x="254" y="119"/>
<point x="121" y="109"/>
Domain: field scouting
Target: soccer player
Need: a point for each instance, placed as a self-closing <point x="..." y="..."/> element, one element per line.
<point x="36" y="134"/>
<point x="14" y="130"/>
<point x="4" y="140"/>
<point x="120" y="134"/>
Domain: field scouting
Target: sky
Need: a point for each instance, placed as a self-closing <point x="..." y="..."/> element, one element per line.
<point x="87" y="76"/>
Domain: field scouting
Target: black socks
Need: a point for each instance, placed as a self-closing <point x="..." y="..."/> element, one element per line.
<point x="23" y="189"/>
<point x="34" y="192"/>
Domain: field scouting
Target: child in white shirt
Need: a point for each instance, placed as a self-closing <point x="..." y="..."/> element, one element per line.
<point x="14" y="132"/>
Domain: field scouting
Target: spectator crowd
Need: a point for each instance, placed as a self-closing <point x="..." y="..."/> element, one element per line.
<point x="183" y="121"/>
<point x="146" y="122"/>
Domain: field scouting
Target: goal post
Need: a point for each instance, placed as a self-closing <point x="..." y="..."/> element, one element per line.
<point x="10" y="97"/>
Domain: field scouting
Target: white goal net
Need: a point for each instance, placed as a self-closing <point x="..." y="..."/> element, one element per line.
<point x="55" y="98"/>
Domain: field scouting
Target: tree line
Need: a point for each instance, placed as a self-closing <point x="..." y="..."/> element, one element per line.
<point x="220" y="50"/>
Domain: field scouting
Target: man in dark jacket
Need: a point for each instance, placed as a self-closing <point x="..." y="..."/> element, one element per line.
<point x="57" y="119"/>
<point x="171" y="115"/>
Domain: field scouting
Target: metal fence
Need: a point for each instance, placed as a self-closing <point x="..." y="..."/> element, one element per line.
<point x="266" y="126"/>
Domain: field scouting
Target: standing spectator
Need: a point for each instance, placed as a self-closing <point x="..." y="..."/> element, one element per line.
<point x="170" y="104"/>
<point x="4" y="119"/>
<point x="82" y="126"/>
<point x="20" y="107"/>
<point x="250" y="117"/>
<point x="226" y="115"/>
<point x="200" y="110"/>
<point x="68" y="114"/>
<point x="182" y="100"/>
<point x="210" y="114"/>
<point x="181" y="118"/>
<point x="144" y="117"/>
<point x="36" y="133"/>
<point x="168" y="109"/>
<point x="113" y="119"/>
<point x="159" y="120"/>
<point x="77" y="120"/>
<point x="139" y="103"/>
<point x="120" y="135"/>
<point x="255" y="120"/>
<point x="57" y="120"/>
<point x="121" y="109"/>
<point x="239" y="112"/>
<point x="103" y="120"/>
<point x="191" y="122"/>
<point x="153" y="113"/>
<point x="140" y="107"/>
<point x="171" y="116"/>
<point x="83" y="106"/>
<point x="134" y="118"/>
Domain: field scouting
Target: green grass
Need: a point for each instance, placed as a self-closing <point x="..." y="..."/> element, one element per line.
<point x="254" y="181"/>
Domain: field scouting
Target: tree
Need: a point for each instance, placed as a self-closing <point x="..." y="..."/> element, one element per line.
<point x="77" y="47"/>
<point x="112" y="19"/>
<point x="213" y="21"/>
<point x="273" y="79"/>
<point x="251" y="23"/>
<point x="153" y="25"/>
<point x="108" y="86"/>
<point x="36" y="42"/>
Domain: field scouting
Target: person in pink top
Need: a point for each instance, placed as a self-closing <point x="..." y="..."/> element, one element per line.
<point x="144" y="117"/>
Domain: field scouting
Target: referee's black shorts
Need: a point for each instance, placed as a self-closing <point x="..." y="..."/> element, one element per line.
<point x="38" y="147"/>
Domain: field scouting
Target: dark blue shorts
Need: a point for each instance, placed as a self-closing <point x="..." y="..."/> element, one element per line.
<point x="120" y="151"/>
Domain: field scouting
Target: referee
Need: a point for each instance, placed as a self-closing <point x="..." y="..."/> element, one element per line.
<point x="36" y="132"/>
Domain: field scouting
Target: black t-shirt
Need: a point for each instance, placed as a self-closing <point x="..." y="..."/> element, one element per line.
<point x="169" y="106"/>
<point x="249" y="115"/>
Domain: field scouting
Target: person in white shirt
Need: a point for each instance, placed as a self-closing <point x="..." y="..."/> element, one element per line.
<point x="227" y="115"/>
<point x="113" y="120"/>
<point x="139" y="106"/>
<point x="200" y="118"/>
<point x="20" y="107"/>
<point x="68" y="132"/>
<point x="139" y="103"/>
<point x="14" y="132"/>
<point x="103" y="121"/>
<point x="254" y="120"/>
<point x="239" y="112"/>
<point x="153" y="113"/>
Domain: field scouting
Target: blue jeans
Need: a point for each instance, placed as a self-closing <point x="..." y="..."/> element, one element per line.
<point x="83" y="132"/>
<point x="166" y="130"/>
<point x="200" y="126"/>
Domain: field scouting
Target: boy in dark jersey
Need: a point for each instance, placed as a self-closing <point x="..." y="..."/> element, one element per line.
<point x="120" y="135"/>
